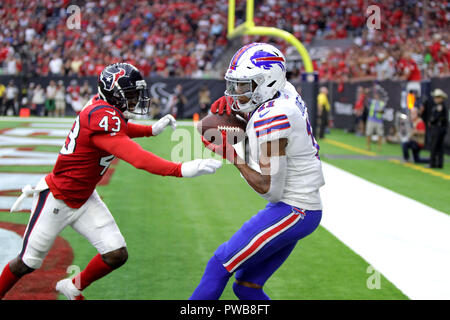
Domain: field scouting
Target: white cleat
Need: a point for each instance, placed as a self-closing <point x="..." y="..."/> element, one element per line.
<point x="68" y="289"/>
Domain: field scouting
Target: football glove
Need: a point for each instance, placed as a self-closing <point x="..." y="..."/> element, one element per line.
<point x="225" y="149"/>
<point x="199" y="167"/>
<point x="222" y="104"/>
<point x="162" y="123"/>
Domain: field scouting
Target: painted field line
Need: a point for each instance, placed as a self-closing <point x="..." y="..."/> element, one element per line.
<point x="422" y="169"/>
<point x="405" y="240"/>
<point x="348" y="147"/>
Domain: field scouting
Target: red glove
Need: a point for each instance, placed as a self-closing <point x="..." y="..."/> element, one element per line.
<point x="225" y="150"/>
<point x="221" y="104"/>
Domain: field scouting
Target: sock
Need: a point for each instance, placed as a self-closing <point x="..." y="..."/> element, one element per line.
<point x="95" y="270"/>
<point x="213" y="282"/>
<point x="247" y="293"/>
<point x="7" y="281"/>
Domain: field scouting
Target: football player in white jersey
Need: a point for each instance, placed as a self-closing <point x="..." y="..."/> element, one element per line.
<point x="283" y="167"/>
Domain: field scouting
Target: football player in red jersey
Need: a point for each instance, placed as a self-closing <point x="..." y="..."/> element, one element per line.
<point x="67" y="196"/>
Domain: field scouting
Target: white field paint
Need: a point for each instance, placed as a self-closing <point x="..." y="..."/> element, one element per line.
<point x="10" y="244"/>
<point x="405" y="240"/>
<point x="16" y="181"/>
<point x="24" y="132"/>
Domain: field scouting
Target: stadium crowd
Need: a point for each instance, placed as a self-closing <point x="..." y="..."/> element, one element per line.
<point x="162" y="38"/>
<point x="412" y="43"/>
<point x="185" y="39"/>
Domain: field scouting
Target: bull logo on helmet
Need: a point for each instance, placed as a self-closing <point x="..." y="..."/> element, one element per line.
<point x="266" y="60"/>
<point x="109" y="78"/>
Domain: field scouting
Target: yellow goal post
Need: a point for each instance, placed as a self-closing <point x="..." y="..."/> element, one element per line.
<point x="249" y="28"/>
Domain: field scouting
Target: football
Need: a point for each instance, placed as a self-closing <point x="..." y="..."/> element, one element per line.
<point x="212" y="125"/>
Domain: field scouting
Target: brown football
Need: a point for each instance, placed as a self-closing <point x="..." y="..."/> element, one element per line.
<point x="211" y="126"/>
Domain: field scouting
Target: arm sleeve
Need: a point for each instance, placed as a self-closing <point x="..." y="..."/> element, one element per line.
<point x="126" y="149"/>
<point x="135" y="130"/>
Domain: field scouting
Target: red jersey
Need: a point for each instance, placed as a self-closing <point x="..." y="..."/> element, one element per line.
<point x="410" y="67"/>
<point x="99" y="134"/>
<point x="419" y="126"/>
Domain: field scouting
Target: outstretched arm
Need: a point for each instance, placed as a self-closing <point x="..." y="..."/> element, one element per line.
<point x="126" y="149"/>
<point x="135" y="130"/>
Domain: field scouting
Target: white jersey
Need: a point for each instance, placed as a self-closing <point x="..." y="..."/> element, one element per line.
<point x="286" y="117"/>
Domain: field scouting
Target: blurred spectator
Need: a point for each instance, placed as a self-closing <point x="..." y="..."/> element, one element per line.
<point x="204" y="100"/>
<point x="13" y="65"/>
<point x="178" y="101"/>
<point x="374" y="123"/>
<point x="416" y="139"/>
<point x="29" y="97"/>
<point x="11" y="98"/>
<point x="56" y="65"/>
<point x="438" y="123"/>
<point x="38" y="100"/>
<point x="86" y="91"/>
<point x="60" y="99"/>
<point x="411" y="73"/>
<point x="50" y="99"/>
<point x="155" y="108"/>
<point x="73" y="95"/>
<point x="360" y="111"/>
<point x="323" y="110"/>
<point x="385" y="66"/>
<point x="2" y="95"/>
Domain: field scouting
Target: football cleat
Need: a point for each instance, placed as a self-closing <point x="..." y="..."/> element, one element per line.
<point x="68" y="289"/>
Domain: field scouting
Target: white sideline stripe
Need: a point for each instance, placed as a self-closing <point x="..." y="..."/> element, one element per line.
<point x="405" y="240"/>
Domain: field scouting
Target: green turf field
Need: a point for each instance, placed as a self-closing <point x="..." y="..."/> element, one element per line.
<point x="172" y="227"/>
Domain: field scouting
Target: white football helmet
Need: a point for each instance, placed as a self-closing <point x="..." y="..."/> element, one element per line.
<point x="256" y="71"/>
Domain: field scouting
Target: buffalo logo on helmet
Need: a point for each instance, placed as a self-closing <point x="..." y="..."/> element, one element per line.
<point x="109" y="78"/>
<point x="266" y="60"/>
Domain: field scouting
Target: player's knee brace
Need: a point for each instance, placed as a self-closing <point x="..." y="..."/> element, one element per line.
<point x="247" y="293"/>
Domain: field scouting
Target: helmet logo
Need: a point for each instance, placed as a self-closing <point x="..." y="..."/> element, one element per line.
<point x="266" y="60"/>
<point x="109" y="79"/>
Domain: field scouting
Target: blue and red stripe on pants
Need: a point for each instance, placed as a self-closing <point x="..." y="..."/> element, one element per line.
<point x="265" y="241"/>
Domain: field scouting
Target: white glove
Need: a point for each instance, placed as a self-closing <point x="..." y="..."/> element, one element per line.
<point x="162" y="123"/>
<point x="199" y="167"/>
